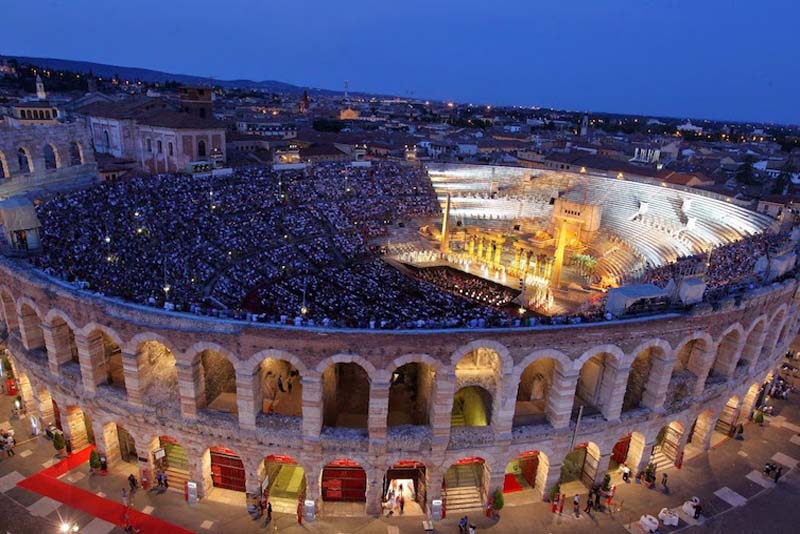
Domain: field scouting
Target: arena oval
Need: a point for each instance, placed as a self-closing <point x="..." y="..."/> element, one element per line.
<point x="373" y="404"/>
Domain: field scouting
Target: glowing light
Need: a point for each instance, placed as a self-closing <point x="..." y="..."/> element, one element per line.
<point x="107" y="239"/>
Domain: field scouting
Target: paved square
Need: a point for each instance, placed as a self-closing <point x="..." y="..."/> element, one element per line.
<point x="790" y="426"/>
<point x="74" y="477"/>
<point x="97" y="526"/>
<point x="742" y="453"/>
<point x="10" y="481"/>
<point x="730" y="496"/>
<point x="795" y="440"/>
<point x="206" y="524"/>
<point x="759" y="478"/>
<point x="43" y="507"/>
<point x="784" y="459"/>
<point x="25" y="453"/>
<point x="148" y="510"/>
<point x="49" y="463"/>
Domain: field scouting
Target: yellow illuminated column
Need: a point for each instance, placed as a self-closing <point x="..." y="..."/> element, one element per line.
<point x="480" y="248"/>
<point x="497" y="252"/>
<point x="555" y="277"/>
<point x="471" y="246"/>
<point x="517" y="257"/>
<point x="445" y="246"/>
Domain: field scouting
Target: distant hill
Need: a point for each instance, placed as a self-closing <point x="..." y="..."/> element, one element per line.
<point x="148" y="75"/>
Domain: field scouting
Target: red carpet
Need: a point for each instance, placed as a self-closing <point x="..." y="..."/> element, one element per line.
<point x="45" y="483"/>
<point x="511" y="484"/>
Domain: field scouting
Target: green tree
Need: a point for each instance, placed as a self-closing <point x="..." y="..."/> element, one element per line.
<point x="783" y="179"/>
<point x="745" y="175"/>
<point x="59" y="443"/>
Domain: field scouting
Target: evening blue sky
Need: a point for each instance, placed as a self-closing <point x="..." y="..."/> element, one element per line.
<point x="685" y="58"/>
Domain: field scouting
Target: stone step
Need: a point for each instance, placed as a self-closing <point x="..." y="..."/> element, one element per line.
<point x="283" y="505"/>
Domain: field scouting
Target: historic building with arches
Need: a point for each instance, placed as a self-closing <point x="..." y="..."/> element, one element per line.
<point x="345" y="413"/>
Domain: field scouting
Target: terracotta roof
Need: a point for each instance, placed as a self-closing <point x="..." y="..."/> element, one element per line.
<point x="177" y="120"/>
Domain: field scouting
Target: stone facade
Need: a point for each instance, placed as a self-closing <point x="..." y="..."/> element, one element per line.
<point x="55" y="156"/>
<point x="742" y="339"/>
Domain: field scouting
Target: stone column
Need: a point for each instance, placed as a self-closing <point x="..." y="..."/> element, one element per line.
<point x="147" y="468"/>
<point x="91" y="353"/>
<point x="133" y="384"/>
<point x="312" y="408"/>
<point x="200" y="471"/>
<point x="561" y="397"/>
<point x="377" y="418"/>
<point x="441" y="410"/>
<point x="517" y="256"/>
<point x="644" y="459"/>
<point x="602" y="467"/>
<point x="613" y="390"/>
<point x="551" y="477"/>
<point x="374" y="491"/>
<point x="246" y="399"/>
<point x="503" y="416"/>
<point x="480" y="248"/>
<point x="435" y="478"/>
<point x="30" y="330"/>
<point x="655" y="392"/>
<point x="254" y="475"/>
<point x="189" y="376"/>
<point x="702" y="432"/>
<point x="702" y="370"/>
<point x="498" y="252"/>
<point x="12" y="321"/>
<point x="44" y="403"/>
<point x="107" y="442"/>
<point x="56" y="340"/>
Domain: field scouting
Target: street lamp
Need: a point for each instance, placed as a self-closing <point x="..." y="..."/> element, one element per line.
<point x="67" y="527"/>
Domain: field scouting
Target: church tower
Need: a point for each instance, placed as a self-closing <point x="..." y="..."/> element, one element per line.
<point x="41" y="94"/>
<point x="585" y="126"/>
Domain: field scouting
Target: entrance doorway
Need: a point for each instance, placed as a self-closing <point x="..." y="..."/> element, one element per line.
<point x="285" y="483"/>
<point x="521" y="473"/>
<point x="726" y="423"/>
<point x="581" y="465"/>
<point x="464" y="485"/>
<point x="227" y="469"/>
<point x="409" y="479"/>
<point x="170" y="458"/>
<point x="344" y="480"/>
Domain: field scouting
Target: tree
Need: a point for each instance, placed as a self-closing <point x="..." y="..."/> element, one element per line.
<point x="94" y="459"/>
<point x="783" y="180"/>
<point x="745" y="174"/>
<point x="497" y="500"/>
<point x="59" y="443"/>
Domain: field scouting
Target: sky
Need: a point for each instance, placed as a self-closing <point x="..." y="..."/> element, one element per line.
<point x="734" y="60"/>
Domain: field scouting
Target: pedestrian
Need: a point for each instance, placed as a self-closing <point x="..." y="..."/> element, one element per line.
<point x="124" y="497"/>
<point x="576" y="505"/>
<point x="589" y="505"/>
<point x="778" y="474"/>
<point x="269" y="511"/>
<point x="472" y="529"/>
<point x="626" y="473"/>
<point x="132" y="482"/>
<point x="697" y="510"/>
<point x="164" y="479"/>
<point x="9" y="446"/>
<point x="664" y="481"/>
<point x="597" y="495"/>
<point x="159" y="479"/>
<point x="462" y="525"/>
<point x="402" y="503"/>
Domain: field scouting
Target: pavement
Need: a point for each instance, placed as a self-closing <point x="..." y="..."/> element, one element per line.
<point x="733" y="493"/>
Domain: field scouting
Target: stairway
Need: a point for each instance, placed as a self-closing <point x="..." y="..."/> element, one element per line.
<point x="178" y="470"/>
<point x="463" y="488"/>
<point x="661" y="460"/>
<point x="284" y="491"/>
<point x="457" y="419"/>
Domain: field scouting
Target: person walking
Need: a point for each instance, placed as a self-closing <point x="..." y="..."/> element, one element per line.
<point x="8" y="446"/>
<point x="159" y="481"/>
<point x="165" y="480"/>
<point x="462" y="525"/>
<point x="269" y="511"/>
<point x="589" y="506"/>
<point x="664" y="482"/>
<point x="402" y="503"/>
<point x="576" y="505"/>
<point x="124" y="497"/>
<point x="778" y="474"/>
<point x="132" y="482"/>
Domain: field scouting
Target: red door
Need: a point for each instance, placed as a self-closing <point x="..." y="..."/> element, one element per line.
<point x="620" y="452"/>
<point x="227" y="470"/>
<point x="344" y="483"/>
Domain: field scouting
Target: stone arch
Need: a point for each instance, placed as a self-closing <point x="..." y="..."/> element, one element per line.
<point x="467" y="480"/>
<point x="30" y="323"/>
<point x="215" y="378"/>
<point x="157" y="372"/>
<point x="9" y="310"/>
<point x="728" y="353"/>
<point x="642" y="381"/>
<point x="412" y="385"/>
<point x="536" y="376"/>
<point x="629" y="450"/>
<point x="504" y="360"/>
<point x="526" y="474"/>
<point x="691" y="363"/>
<point x="5" y="172"/>
<point x="76" y="152"/>
<point x="77" y="427"/>
<point x="24" y="161"/>
<point x="223" y="468"/>
<point x="347" y="358"/>
<point x="754" y="341"/>
<point x="256" y="359"/>
<point x="278" y="384"/>
<point x="773" y="332"/>
<point x="117" y="443"/>
<point x="345" y="388"/>
<point x="472" y="406"/>
<point x="344" y="478"/>
<point x="62" y="347"/>
<point x="287" y="484"/>
<point x="669" y="443"/>
<point x="102" y="348"/>
<point x="52" y="159"/>
<point x="582" y="464"/>
<point x="597" y="373"/>
<point x="728" y="417"/>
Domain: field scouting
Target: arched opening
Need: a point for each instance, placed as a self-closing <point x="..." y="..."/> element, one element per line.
<point x="667" y="449"/>
<point x="751" y="401"/>
<point x="31" y="330"/>
<point x="280" y="388"/>
<point x="76" y="152"/>
<point x="725" y="359"/>
<point x="80" y="428"/>
<point x="727" y="421"/>
<point x="751" y="348"/>
<point x="9" y="312"/>
<point x="47" y="410"/>
<point x="226" y="469"/>
<point x="50" y="156"/>
<point x="201" y="148"/>
<point x="286" y="483"/>
<point x="465" y="485"/>
<point x="158" y="376"/>
<point x="579" y="470"/>
<point x="217" y="382"/>
<point x="411" y="395"/>
<point x="479" y="363"/>
<point x="345" y="396"/>
<point x="472" y="406"/>
<point x="629" y="451"/>
<point x="701" y="432"/>
<point x="534" y="387"/>
<point x="685" y="372"/>
<point x="170" y="458"/>
<point x="639" y="378"/>
<point x="66" y="348"/>
<point x="343" y="480"/>
<point x="24" y="161"/>
<point x="4" y="171"/>
<point x="771" y="340"/>
<point x="526" y="475"/>
<point x="407" y="479"/>
<point x="110" y="360"/>
<point x="594" y="385"/>
<point x="120" y="447"/>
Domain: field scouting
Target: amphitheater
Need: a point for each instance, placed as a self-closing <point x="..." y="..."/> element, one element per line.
<point x="339" y="416"/>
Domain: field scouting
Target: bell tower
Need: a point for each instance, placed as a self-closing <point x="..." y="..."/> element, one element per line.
<point x="41" y="94"/>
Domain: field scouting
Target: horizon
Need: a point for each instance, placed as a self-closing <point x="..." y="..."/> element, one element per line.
<point x="574" y="45"/>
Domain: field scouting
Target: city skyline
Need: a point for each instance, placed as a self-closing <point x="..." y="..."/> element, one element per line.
<point x="671" y="61"/>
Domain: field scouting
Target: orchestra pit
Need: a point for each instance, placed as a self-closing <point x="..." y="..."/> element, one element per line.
<point x="335" y="335"/>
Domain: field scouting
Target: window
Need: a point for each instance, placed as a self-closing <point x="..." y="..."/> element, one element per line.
<point x="201" y="148"/>
<point x="24" y="163"/>
<point x="54" y="112"/>
<point x="107" y="139"/>
<point x="75" y="154"/>
<point x="170" y="149"/>
<point x="149" y="145"/>
<point x="159" y="147"/>
<point x="3" y="169"/>
<point x="50" y="160"/>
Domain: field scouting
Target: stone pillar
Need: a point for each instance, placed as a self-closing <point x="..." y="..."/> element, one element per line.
<point x="56" y="340"/>
<point x="441" y="410"/>
<point x="91" y="353"/>
<point x="551" y="478"/>
<point x="561" y="397"/>
<point x="435" y="478"/>
<point x="247" y="399"/>
<point x="133" y="385"/>
<point x="30" y="330"/>
<point x="613" y="390"/>
<point x="44" y="404"/>
<point x="200" y="471"/>
<point x="480" y="248"/>
<point x="377" y="418"/>
<point x="602" y="467"/>
<point x="10" y="313"/>
<point x="188" y="378"/>
<point x="702" y="431"/>
<point x="374" y="491"/>
<point x="312" y="408"/>
<point x="107" y="442"/>
<point x="644" y="458"/>
<point x="517" y="256"/>
<point x="655" y="392"/>
<point x="503" y="416"/>
<point x="254" y="475"/>
<point x="701" y="370"/>
<point x="147" y="468"/>
<point x="498" y="251"/>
